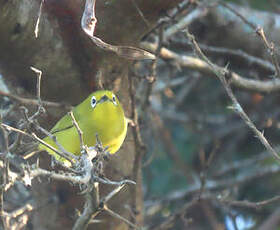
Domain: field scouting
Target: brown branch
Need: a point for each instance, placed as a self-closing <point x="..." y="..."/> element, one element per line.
<point x="63" y="153"/>
<point x="93" y="206"/>
<point x="140" y="150"/>
<point x="248" y="204"/>
<point x="239" y="53"/>
<point x="260" y="32"/>
<point x="271" y="50"/>
<point x="221" y="73"/>
<point x="27" y="101"/>
<point x="88" y="23"/>
<point x="152" y="78"/>
<point x="140" y="13"/>
<point x="184" y="22"/>
<point x="36" y="30"/>
<point x="202" y="66"/>
<point x="116" y="215"/>
<point x="91" y="209"/>
<point x="250" y="162"/>
<point x="80" y="132"/>
<point x="171" y="220"/>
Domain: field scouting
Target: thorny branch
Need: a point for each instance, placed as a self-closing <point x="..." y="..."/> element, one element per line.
<point x="222" y="73"/>
<point x="84" y="172"/>
<point x="227" y="77"/>
<point x="260" y="32"/>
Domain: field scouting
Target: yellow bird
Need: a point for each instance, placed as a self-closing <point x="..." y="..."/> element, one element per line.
<point x="99" y="114"/>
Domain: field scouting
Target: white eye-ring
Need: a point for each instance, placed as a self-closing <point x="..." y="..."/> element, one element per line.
<point x="114" y="100"/>
<point x="93" y="102"/>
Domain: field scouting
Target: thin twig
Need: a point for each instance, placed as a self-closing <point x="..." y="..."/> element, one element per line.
<point x="184" y="22"/>
<point x="4" y="171"/>
<point x="35" y="137"/>
<point x="271" y="50"/>
<point x="202" y="66"/>
<point x="166" y="224"/>
<point x="27" y="101"/>
<point x="94" y="205"/>
<point x="244" y="164"/>
<point x="140" y="13"/>
<point x="139" y="147"/>
<point x="182" y="7"/>
<point x="152" y="78"/>
<point x="250" y="59"/>
<point x="88" y="23"/>
<point x="40" y="106"/>
<point x="39" y="75"/>
<point x="80" y="132"/>
<point x="221" y="73"/>
<point x="112" y="213"/>
<point x="248" y="204"/>
<point x="260" y="32"/>
<point x="68" y="156"/>
<point x="36" y="31"/>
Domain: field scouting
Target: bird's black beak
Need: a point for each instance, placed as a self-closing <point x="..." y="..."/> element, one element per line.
<point x="103" y="99"/>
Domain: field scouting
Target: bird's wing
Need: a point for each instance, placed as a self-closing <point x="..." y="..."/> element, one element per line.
<point x="63" y="124"/>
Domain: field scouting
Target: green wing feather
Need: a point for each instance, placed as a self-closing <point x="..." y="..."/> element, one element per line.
<point x="65" y="123"/>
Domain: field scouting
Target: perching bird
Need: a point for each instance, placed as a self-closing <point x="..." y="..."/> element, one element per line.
<point x="99" y="114"/>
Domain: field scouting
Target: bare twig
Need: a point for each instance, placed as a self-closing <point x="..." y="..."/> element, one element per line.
<point x="4" y="171"/>
<point x="249" y="204"/>
<point x="202" y="66"/>
<point x="139" y="149"/>
<point x="184" y="22"/>
<point x="80" y="132"/>
<point x="140" y="13"/>
<point x="91" y="209"/>
<point x="63" y="153"/>
<point x="181" y="8"/>
<point x="271" y="50"/>
<point x="152" y="78"/>
<point x="169" y="222"/>
<point x="112" y="213"/>
<point x="94" y="206"/>
<point x="221" y="73"/>
<point x="88" y="24"/>
<point x="39" y="75"/>
<point x="18" y="218"/>
<point x="27" y="207"/>
<point x="233" y="166"/>
<point x="205" y="166"/>
<point x="36" y="31"/>
<point x="260" y="32"/>
<point x="40" y="106"/>
<point x="250" y="59"/>
<point x="26" y="101"/>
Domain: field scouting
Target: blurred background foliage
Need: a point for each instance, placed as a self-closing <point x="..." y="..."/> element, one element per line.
<point x="210" y="126"/>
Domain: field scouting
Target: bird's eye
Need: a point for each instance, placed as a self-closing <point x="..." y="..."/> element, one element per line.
<point x="93" y="101"/>
<point x="114" y="100"/>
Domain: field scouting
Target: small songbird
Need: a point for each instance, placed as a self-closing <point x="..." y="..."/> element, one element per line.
<point x="99" y="114"/>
